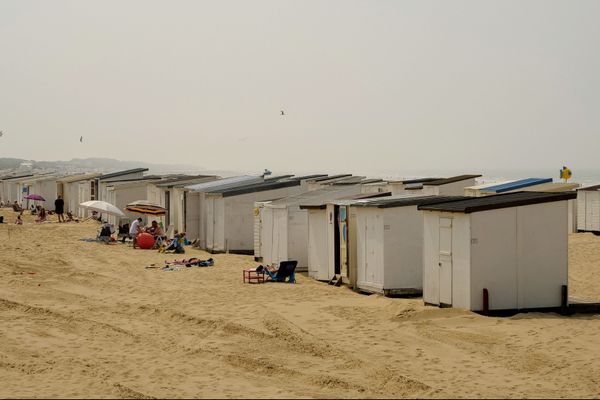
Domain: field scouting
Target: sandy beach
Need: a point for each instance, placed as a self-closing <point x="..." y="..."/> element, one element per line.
<point x="80" y="319"/>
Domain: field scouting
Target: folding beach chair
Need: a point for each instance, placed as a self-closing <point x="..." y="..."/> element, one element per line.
<point x="287" y="270"/>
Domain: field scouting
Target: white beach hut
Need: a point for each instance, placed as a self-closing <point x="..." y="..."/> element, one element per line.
<point x="330" y="233"/>
<point x="230" y="213"/>
<point x="588" y="209"/>
<point x="281" y="226"/>
<point x="511" y="249"/>
<point x="172" y="195"/>
<point x="196" y="204"/>
<point x="389" y="244"/>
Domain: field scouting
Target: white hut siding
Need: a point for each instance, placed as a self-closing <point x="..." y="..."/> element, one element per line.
<point x="403" y="248"/>
<point x="581" y="209"/>
<point x="591" y="210"/>
<point x="494" y="251"/>
<point x="297" y="240"/>
<point x="192" y="215"/>
<point x="274" y="236"/>
<point x="317" y="244"/>
<point x="542" y="254"/>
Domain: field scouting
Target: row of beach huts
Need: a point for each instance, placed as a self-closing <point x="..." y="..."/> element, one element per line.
<point x="493" y="246"/>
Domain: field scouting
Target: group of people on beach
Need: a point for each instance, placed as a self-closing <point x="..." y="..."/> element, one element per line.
<point x="41" y="212"/>
<point x="155" y="230"/>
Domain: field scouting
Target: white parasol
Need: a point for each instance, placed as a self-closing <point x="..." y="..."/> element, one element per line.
<point x="102" y="207"/>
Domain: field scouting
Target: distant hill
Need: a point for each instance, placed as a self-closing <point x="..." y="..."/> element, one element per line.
<point x="98" y="164"/>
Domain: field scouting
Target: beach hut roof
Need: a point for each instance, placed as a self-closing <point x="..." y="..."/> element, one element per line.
<point x="320" y="203"/>
<point x="79" y="177"/>
<point x="121" y="173"/>
<point x="476" y="204"/>
<point x="452" y="179"/>
<point x="308" y="177"/>
<point x="278" y="177"/>
<point x="332" y="178"/>
<point x="590" y="188"/>
<point x="418" y="180"/>
<point x="185" y="181"/>
<point x="10" y="177"/>
<point x="225" y="182"/>
<point x="487" y="185"/>
<point x="255" y="187"/>
<point x="519" y="184"/>
<point x="552" y="187"/>
<point x="314" y="195"/>
<point x="407" y="200"/>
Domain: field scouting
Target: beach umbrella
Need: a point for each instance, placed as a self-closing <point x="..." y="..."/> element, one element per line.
<point x="146" y="208"/>
<point x="34" y="197"/>
<point x="102" y="207"/>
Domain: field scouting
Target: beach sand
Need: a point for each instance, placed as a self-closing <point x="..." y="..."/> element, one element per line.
<point x="82" y="319"/>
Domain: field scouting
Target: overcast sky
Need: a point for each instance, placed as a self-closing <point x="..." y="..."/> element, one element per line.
<point x="367" y="86"/>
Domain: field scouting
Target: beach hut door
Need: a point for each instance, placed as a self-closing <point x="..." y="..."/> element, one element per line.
<point x="445" y="261"/>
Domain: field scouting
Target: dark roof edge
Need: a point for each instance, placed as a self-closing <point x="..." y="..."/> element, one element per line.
<point x="550" y="198"/>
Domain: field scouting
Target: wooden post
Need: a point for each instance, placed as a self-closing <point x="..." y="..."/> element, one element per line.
<point x="564" y="298"/>
<point x="486" y="302"/>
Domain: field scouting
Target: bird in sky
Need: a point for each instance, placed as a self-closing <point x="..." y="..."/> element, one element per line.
<point x="81" y="139"/>
<point x="282" y="113"/>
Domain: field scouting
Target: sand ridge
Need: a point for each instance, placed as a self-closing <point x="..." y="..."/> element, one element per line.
<point x="82" y="319"/>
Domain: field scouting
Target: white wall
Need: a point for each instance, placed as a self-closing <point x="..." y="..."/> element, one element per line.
<point x="297" y="239"/>
<point x="581" y="209"/>
<point x="192" y="215"/>
<point x="542" y="252"/>
<point x="317" y="244"/>
<point x="403" y="248"/>
<point x="494" y="259"/>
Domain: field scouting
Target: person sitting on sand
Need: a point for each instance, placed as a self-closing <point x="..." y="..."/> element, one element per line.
<point x="16" y="207"/>
<point x="106" y="232"/>
<point x="134" y="230"/>
<point x="176" y="245"/>
<point x="19" y="221"/>
<point x="70" y="217"/>
<point x="42" y="216"/>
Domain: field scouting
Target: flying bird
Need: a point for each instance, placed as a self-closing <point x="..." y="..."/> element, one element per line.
<point x="282" y="113"/>
<point x="81" y="139"/>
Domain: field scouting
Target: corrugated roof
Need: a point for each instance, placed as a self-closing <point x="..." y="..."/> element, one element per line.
<point x="521" y="183"/>
<point x="475" y="204"/>
<point x="452" y="179"/>
<point x="232" y="181"/>
<point x="121" y="173"/>
<point x="254" y="188"/>
<point x="404" y="201"/>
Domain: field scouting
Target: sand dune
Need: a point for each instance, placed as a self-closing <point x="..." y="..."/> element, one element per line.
<point x="82" y="319"/>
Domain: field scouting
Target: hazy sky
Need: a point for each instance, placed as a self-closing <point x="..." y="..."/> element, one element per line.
<point x="367" y="86"/>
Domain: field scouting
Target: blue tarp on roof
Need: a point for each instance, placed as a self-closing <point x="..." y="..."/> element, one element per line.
<point x="521" y="183"/>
